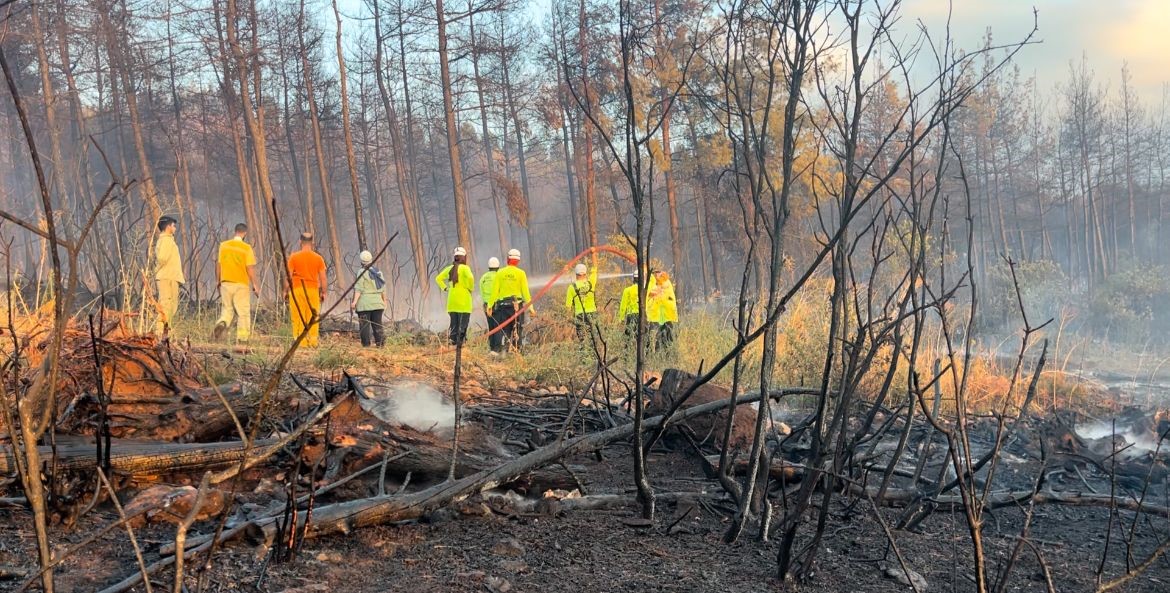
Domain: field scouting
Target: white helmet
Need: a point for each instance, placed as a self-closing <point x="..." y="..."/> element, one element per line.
<point x="366" y="257"/>
<point x="513" y="254"/>
<point x="493" y="262"/>
<point x="460" y="251"/>
<point x="580" y="269"/>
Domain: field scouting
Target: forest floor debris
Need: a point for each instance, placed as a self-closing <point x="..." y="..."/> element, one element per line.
<point x="567" y="521"/>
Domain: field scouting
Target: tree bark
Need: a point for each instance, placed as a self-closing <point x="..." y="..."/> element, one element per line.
<point x="118" y="41"/>
<point x="485" y="137"/>
<point x="586" y="132"/>
<point x="406" y="186"/>
<point x="50" y="101"/>
<point x="518" y="132"/>
<point x="350" y="156"/>
<point x="322" y="172"/>
<point x="459" y="192"/>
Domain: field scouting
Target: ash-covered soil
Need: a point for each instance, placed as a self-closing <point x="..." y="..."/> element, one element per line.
<point x="480" y="549"/>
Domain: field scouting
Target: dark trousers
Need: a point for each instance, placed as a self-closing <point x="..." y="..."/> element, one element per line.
<point x="631" y="322"/>
<point x="370" y="325"/>
<point x="583" y="323"/>
<point x="513" y="333"/>
<point x="494" y="339"/>
<point x="665" y="335"/>
<point x="458" y="331"/>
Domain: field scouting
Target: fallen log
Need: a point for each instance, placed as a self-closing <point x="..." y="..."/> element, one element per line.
<point x="511" y="503"/>
<point x="779" y="470"/>
<point x="997" y="500"/>
<point x="358" y="438"/>
<point x="171" y="504"/>
<point x="345" y="516"/>
<point x="708" y="427"/>
<point x="148" y="389"/>
<point x="136" y="458"/>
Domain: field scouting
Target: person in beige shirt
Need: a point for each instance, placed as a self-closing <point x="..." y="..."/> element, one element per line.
<point x="168" y="274"/>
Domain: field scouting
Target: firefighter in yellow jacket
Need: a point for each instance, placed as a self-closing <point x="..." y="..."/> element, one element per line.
<point x="458" y="282"/>
<point x="510" y="295"/>
<point x="630" y="305"/>
<point x="487" y="291"/>
<point x="662" y="308"/>
<point x="581" y="301"/>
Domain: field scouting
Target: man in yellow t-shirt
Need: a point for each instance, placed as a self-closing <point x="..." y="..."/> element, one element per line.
<point x="235" y="271"/>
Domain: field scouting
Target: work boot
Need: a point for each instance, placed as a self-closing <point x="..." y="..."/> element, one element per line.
<point x="219" y="331"/>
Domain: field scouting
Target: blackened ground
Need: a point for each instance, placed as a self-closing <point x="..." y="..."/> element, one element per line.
<point x="596" y="551"/>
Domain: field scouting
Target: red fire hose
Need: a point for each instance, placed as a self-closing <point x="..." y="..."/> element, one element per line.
<point x="568" y="266"/>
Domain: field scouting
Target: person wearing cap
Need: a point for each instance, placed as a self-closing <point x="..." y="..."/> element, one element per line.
<point x="458" y="282"/>
<point x="580" y="299"/>
<point x="236" y="277"/>
<point x="630" y="305"/>
<point x="487" y="288"/>
<point x="168" y="274"/>
<point x="661" y="308"/>
<point x="510" y="295"/>
<point x="306" y="269"/>
<point x="369" y="301"/>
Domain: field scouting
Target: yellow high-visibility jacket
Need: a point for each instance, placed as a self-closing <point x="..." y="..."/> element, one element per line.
<point x="459" y="294"/>
<point x="511" y="283"/>
<point x="661" y="306"/>
<point x="630" y="304"/>
<point x="487" y="288"/>
<point x="581" y="295"/>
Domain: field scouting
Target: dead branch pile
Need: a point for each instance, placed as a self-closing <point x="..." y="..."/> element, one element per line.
<point x="142" y="387"/>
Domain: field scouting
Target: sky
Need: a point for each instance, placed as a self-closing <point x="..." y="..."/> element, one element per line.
<point x="1107" y="33"/>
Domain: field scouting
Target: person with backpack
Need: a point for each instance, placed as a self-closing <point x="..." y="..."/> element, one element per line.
<point x="458" y="282"/>
<point x="510" y="296"/>
<point x="369" y="301"/>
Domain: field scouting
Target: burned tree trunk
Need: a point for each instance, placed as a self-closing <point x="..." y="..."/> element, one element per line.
<point x="350" y="156"/>
<point x="462" y="206"/>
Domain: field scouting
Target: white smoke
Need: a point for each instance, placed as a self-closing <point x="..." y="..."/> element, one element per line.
<point x="1141" y="440"/>
<point x="410" y="403"/>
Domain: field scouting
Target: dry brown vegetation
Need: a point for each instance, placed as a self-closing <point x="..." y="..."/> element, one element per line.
<point x="872" y="349"/>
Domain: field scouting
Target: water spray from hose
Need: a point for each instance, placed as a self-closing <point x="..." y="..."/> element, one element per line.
<point x="567" y="268"/>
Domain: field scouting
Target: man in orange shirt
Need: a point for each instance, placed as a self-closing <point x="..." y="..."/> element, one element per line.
<point x="307" y="270"/>
<point x="235" y="270"/>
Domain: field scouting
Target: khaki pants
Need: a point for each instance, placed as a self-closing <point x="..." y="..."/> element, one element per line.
<point x="235" y="300"/>
<point x="302" y="306"/>
<point x="168" y="305"/>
